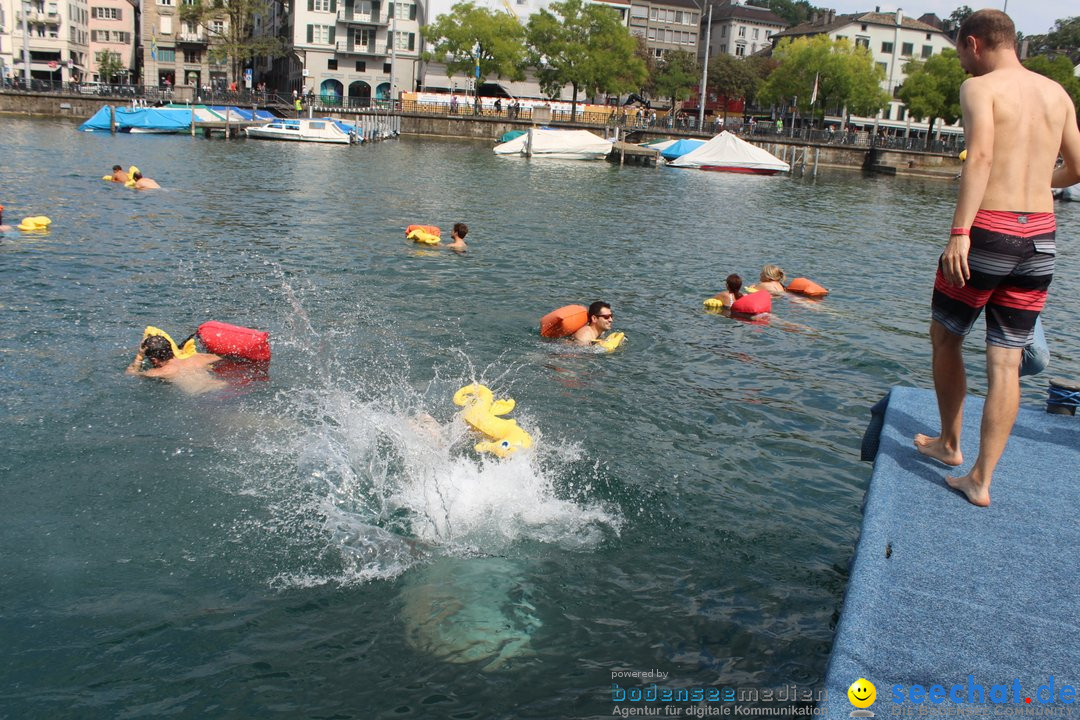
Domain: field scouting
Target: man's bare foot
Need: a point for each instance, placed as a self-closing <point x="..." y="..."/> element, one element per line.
<point x="935" y="448"/>
<point x="977" y="493"/>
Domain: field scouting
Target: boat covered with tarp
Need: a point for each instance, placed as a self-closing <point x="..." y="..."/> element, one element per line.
<point x="170" y="118"/>
<point x="550" y="143"/>
<point x="679" y="148"/>
<point x="727" y="153"/>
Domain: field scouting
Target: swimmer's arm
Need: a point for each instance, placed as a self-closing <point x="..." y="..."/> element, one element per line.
<point x="1069" y="173"/>
<point x="978" y="107"/>
<point x="135" y="368"/>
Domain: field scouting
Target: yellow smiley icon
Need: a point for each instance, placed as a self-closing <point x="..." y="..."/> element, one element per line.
<point x="862" y="693"/>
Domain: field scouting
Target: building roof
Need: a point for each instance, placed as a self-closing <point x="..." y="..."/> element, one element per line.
<point x="828" y="22"/>
<point x="670" y="3"/>
<point x="751" y="13"/>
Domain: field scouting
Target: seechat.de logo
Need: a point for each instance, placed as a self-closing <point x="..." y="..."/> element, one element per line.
<point x="862" y="695"/>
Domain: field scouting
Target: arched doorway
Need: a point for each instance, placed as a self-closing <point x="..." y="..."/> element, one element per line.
<point x="330" y="92"/>
<point x="359" y="94"/>
<point x="382" y="92"/>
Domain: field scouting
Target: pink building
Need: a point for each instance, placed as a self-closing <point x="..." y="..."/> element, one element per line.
<point x="112" y="30"/>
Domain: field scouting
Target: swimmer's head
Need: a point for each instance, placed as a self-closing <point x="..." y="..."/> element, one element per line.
<point x="772" y="272"/>
<point x="461" y="230"/>
<point x="136" y="175"/>
<point x="116" y="168"/>
<point x="596" y="310"/>
<point x="157" y="350"/>
<point x="734" y="283"/>
<point x="992" y="27"/>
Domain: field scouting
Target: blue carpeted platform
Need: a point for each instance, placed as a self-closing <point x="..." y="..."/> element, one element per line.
<point x="941" y="589"/>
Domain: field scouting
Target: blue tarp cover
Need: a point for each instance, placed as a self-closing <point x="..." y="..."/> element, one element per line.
<point x="144" y="118"/>
<point x="680" y="148"/>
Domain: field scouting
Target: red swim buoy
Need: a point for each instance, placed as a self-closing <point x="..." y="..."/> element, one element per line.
<point x="430" y="229"/>
<point x="753" y="304"/>
<point x="806" y="287"/>
<point x="235" y="341"/>
<point x="567" y="320"/>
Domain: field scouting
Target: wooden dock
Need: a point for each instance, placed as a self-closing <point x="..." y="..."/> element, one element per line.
<point x="627" y="153"/>
<point x="229" y="128"/>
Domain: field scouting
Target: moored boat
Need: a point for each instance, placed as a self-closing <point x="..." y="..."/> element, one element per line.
<point x="321" y="130"/>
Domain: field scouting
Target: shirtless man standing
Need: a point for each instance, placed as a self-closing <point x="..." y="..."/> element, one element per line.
<point x="1000" y="253"/>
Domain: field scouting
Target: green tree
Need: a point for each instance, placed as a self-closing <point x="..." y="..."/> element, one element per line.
<point x="585" y="47"/>
<point x="846" y="75"/>
<point x="932" y="89"/>
<point x="1065" y="35"/>
<point x="228" y="26"/>
<point x="732" y="78"/>
<point x="648" y="60"/>
<point x="1060" y="69"/>
<point x="676" y="76"/>
<point x="469" y="37"/>
<point x="109" y="66"/>
<point x="960" y="14"/>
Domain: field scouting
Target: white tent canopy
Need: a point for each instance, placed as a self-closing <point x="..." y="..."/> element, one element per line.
<point x="546" y="142"/>
<point x="727" y="152"/>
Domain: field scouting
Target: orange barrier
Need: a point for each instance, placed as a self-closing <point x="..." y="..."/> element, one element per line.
<point x="235" y="341"/>
<point x="567" y="320"/>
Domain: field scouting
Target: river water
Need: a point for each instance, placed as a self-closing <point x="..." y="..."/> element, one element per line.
<point x="313" y="544"/>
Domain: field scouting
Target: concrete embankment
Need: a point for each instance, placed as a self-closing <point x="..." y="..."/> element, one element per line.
<point x="800" y="154"/>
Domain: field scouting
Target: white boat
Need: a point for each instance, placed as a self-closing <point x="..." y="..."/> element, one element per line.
<point x="564" y="144"/>
<point x="727" y="153"/>
<point x="323" y="130"/>
<point x="1068" y="193"/>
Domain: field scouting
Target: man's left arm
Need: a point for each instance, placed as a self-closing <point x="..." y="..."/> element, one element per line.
<point x="1069" y="173"/>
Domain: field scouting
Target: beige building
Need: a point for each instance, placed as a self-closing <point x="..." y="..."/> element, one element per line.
<point x="176" y="52"/>
<point x="58" y="36"/>
<point x="742" y="30"/>
<point x="112" y="31"/>
<point x="666" y="25"/>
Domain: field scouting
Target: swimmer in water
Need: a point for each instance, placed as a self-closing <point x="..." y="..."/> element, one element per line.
<point x="458" y="236"/>
<point x="600" y="320"/>
<point x="772" y="280"/>
<point x="118" y="174"/>
<point x="3" y="227"/>
<point x="734" y="290"/>
<point x="144" y="183"/>
<point x="192" y="374"/>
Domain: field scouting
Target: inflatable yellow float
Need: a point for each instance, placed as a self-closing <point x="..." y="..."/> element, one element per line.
<point x="37" y="223"/>
<point x="131" y="176"/>
<point x="612" y="341"/>
<point x="426" y="234"/>
<point x="482" y="413"/>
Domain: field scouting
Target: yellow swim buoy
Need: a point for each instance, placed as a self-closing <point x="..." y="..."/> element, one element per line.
<point x="482" y="414"/>
<point x="611" y="342"/>
<point x="131" y="176"/>
<point x="180" y="352"/>
<point x="36" y="223"/>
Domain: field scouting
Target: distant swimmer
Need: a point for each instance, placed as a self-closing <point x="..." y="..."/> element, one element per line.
<point x="772" y="279"/>
<point x="3" y="227"/>
<point x="458" y="236"/>
<point x="599" y="322"/>
<point x="144" y="183"/>
<point x="118" y="174"/>
<point x="192" y="373"/>
<point x="734" y="290"/>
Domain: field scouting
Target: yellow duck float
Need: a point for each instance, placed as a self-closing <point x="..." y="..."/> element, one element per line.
<point x="482" y="413"/>
<point x="181" y="352"/>
<point x="425" y="234"/>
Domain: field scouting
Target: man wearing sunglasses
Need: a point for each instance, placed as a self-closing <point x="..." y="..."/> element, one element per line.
<point x="600" y="319"/>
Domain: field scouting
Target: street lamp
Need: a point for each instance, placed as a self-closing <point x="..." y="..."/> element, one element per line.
<point x="26" y="45"/>
<point x="704" y="75"/>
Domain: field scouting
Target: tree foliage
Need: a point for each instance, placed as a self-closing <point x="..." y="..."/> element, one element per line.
<point x="793" y="11"/>
<point x="676" y="76"/>
<point x="585" y="47"/>
<point x="1060" y="69"/>
<point x="732" y="78"/>
<point x="932" y="89"/>
<point x="109" y="65"/>
<point x="846" y="75"/>
<point x="235" y="42"/>
<point x="960" y="14"/>
<point x="470" y="36"/>
<point x="648" y="60"/>
<point x="1065" y="35"/>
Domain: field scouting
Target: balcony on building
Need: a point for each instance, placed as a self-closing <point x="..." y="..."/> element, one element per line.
<point x="356" y="48"/>
<point x="348" y="16"/>
<point x="190" y="38"/>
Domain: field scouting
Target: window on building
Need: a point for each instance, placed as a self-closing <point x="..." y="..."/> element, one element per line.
<point x="386" y="68"/>
<point x="639" y="11"/>
<point x="652" y="14"/>
<point x="166" y="55"/>
<point x="658" y="52"/>
<point x="164" y="2"/>
<point x="902" y="114"/>
<point x="365" y="37"/>
<point x="671" y="16"/>
<point x="742" y="31"/>
<point x="887" y="113"/>
<point x="886" y="47"/>
<point x="120" y="36"/>
<point x="321" y="5"/>
<point x="103" y="13"/>
<point x="723" y="31"/>
<point x="404" y="11"/>
<point x="404" y="41"/>
<point x="723" y="48"/>
<point x="862" y="42"/>
<point x="927" y="36"/>
<point x="219" y="27"/>
<point x="907" y="49"/>
<point x="320" y="34"/>
<point x="678" y="16"/>
<point x="927" y="51"/>
<point x="331" y="64"/>
<point x="841" y="37"/>
<point x="884" y="67"/>
<point x="864" y="28"/>
<point x="652" y="33"/>
<point x="361" y="66"/>
<point x="757" y="33"/>
<point x="166" y="24"/>
<point x="740" y="50"/>
<point x="192" y="57"/>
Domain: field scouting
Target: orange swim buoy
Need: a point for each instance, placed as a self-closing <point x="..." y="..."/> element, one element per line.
<point x="235" y="341"/>
<point x="806" y="287"/>
<point x="753" y="303"/>
<point x="567" y="320"/>
<point x="429" y="229"/>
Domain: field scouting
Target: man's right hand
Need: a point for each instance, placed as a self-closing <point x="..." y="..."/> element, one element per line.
<point x="954" y="261"/>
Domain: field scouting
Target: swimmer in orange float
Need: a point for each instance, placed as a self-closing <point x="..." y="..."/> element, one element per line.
<point x="599" y="322"/>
